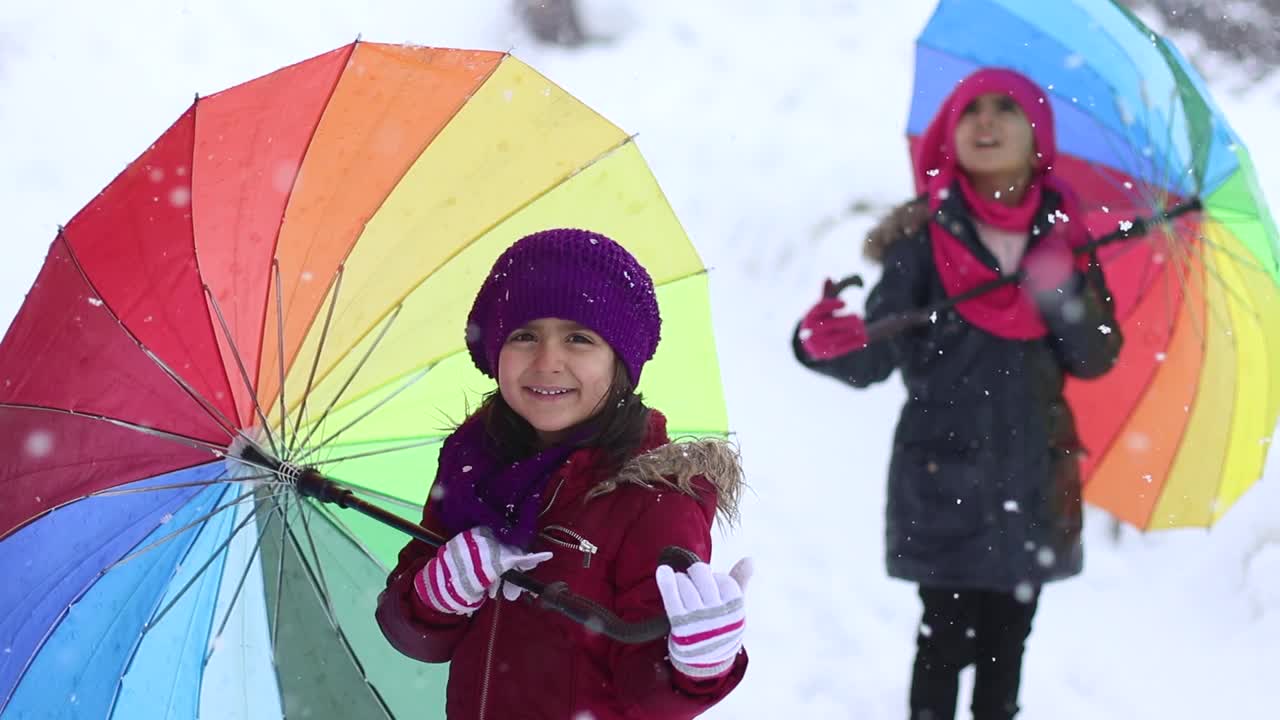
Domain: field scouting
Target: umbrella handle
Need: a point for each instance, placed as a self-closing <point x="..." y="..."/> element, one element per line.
<point x="892" y="325"/>
<point x="555" y="596"/>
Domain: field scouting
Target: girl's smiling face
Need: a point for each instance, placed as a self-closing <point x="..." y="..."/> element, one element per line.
<point x="994" y="140"/>
<point x="555" y="374"/>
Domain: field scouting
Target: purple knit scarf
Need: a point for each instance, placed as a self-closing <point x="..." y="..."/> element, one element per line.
<point x="476" y="488"/>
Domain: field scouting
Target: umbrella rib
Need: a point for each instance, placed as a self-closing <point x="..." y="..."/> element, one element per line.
<point x="346" y="531"/>
<point x="1208" y="261"/>
<point x="1241" y="261"/>
<point x="202" y="519"/>
<point x="1175" y="101"/>
<point x="383" y="451"/>
<point x="178" y="486"/>
<point x="364" y="359"/>
<point x="362" y="416"/>
<point x="323" y="586"/>
<point x="235" y="596"/>
<point x="315" y="363"/>
<point x="189" y="441"/>
<point x="284" y="530"/>
<point x="462" y="247"/>
<point x="333" y="622"/>
<point x="45" y="637"/>
<point x="214" y="413"/>
<point x="244" y="371"/>
<point x="284" y="413"/>
<point x="137" y="642"/>
<point x="196" y="575"/>
<point x="227" y="425"/>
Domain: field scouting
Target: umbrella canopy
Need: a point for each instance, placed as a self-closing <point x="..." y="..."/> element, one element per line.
<point x="1180" y="428"/>
<point x="290" y="263"/>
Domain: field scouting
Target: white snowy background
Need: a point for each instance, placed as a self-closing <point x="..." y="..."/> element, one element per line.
<point x="763" y="121"/>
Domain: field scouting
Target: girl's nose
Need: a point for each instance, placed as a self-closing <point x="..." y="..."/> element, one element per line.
<point x="547" y="357"/>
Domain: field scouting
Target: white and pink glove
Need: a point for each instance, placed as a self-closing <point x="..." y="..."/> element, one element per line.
<point x="469" y="567"/>
<point x="707" y="617"/>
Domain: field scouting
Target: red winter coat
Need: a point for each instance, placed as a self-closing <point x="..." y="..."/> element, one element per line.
<point x="517" y="660"/>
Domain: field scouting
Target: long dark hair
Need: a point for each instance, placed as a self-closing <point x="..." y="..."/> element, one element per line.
<point x="617" y="428"/>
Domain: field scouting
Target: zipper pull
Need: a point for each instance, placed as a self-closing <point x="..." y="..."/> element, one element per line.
<point x="587" y="551"/>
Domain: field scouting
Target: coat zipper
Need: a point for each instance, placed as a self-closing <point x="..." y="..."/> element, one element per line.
<point x="488" y="657"/>
<point x="582" y="545"/>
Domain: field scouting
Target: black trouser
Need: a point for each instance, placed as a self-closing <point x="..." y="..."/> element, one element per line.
<point x="963" y="627"/>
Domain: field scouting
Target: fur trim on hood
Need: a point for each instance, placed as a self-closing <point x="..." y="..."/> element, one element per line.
<point x="902" y="222"/>
<point x="675" y="465"/>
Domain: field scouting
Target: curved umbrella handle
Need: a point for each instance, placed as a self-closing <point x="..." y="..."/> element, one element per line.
<point x="555" y="596"/>
<point x="892" y="325"/>
<point x="598" y="618"/>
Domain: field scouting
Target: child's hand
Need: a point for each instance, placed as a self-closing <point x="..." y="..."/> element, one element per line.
<point x="707" y="616"/>
<point x="825" y="335"/>
<point x="467" y="568"/>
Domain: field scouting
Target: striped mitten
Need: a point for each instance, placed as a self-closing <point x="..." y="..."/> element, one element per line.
<point x="707" y="617"/>
<point x="467" y="568"/>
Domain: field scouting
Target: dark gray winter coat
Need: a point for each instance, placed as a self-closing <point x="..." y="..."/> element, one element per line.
<point x="984" y="482"/>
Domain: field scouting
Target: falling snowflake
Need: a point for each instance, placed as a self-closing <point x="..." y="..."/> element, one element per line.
<point x="95" y="302"/>
<point x="180" y="196"/>
<point x="39" y="444"/>
<point x="1104" y="329"/>
<point x="1138" y="441"/>
<point x="1011" y="506"/>
<point x="1046" y="557"/>
<point x="1025" y="592"/>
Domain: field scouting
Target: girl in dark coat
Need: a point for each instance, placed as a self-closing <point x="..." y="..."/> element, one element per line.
<point x="984" y="485"/>
<point x="565" y="474"/>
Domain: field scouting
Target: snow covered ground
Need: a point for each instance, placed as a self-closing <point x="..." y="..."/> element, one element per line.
<point x="763" y="121"/>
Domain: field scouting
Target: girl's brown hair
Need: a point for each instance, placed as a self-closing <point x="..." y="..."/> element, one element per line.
<point x="618" y="427"/>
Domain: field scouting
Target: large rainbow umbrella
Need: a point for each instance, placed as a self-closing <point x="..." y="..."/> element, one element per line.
<point x="1180" y="428"/>
<point x="291" y="263"/>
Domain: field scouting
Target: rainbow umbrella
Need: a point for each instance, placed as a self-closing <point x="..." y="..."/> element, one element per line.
<point x="289" y="264"/>
<point x="1180" y="428"/>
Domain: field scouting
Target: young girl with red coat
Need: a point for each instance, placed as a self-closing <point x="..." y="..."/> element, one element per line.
<point x="984" y="485"/>
<point x="565" y="474"/>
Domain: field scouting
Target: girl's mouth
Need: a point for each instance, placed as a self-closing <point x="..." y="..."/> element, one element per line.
<point x="986" y="143"/>
<point x="547" y="393"/>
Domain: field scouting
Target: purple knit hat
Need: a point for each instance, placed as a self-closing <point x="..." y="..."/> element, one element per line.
<point x="570" y="274"/>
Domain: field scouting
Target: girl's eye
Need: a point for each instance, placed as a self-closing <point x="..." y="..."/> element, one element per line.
<point x="971" y="108"/>
<point x="1007" y="105"/>
<point x="521" y="336"/>
<point x="580" y="338"/>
